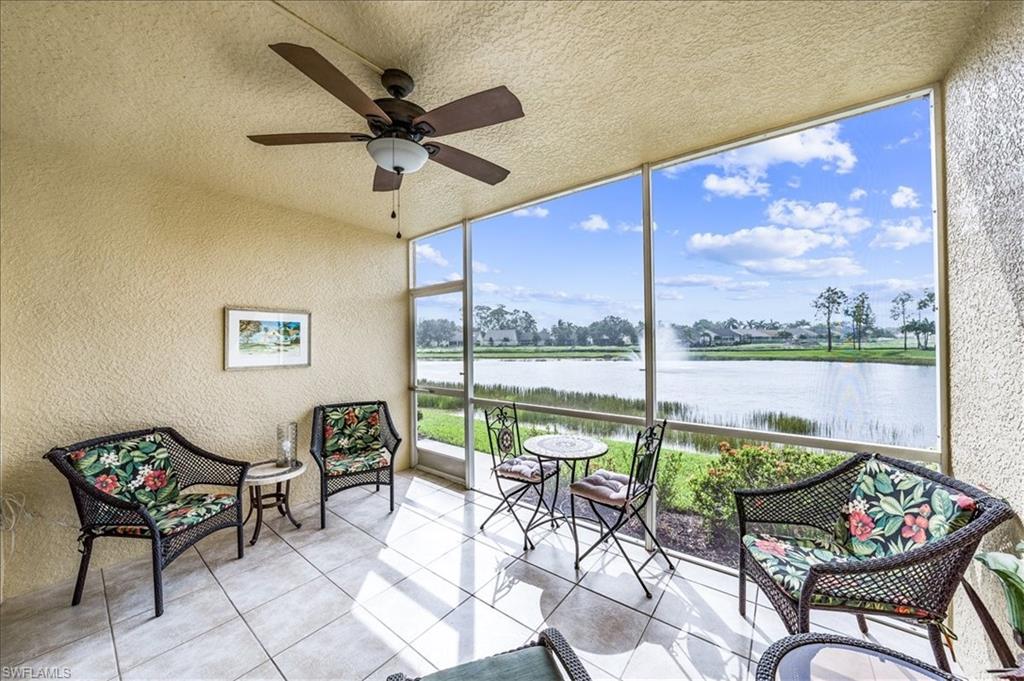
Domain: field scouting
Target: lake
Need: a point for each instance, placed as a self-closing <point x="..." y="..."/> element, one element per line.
<point x="872" y="402"/>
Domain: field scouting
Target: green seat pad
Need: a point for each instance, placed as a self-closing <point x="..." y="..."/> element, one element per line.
<point x="343" y="464"/>
<point x="534" y="663"/>
<point x="186" y="511"/>
<point x="788" y="561"/>
<point x="135" y="470"/>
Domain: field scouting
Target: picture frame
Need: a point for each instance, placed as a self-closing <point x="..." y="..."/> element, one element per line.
<point x="261" y="338"/>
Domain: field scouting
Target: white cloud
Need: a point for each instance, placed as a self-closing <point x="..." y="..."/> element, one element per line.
<point x="759" y="242"/>
<point x="670" y="295"/>
<point x="904" y="197"/>
<point x="816" y="144"/>
<point x="857" y="194"/>
<point x="628" y="227"/>
<point x="483" y="268"/>
<point x="901" y="234"/>
<point x="841" y="266"/>
<point x="736" y="186"/>
<point x="523" y="294"/>
<point x="716" y="281"/>
<point x="747" y="167"/>
<point x="453" y="276"/>
<point x="531" y="212"/>
<point x="905" y="140"/>
<point x="427" y="253"/>
<point x="826" y="216"/>
<point x="593" y="223"/>
<point x="894" y="285"/>
<point x="793" y="182"/>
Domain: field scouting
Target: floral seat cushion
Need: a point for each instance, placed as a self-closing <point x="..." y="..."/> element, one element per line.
<point x="893" y="511"/>
<point x="525" y="468"/>
<point x="352" y="430"/>
<point x="135" y="470"/>
<point x="345" y="463"/>
<point x="788" y="561"/>
<point x="186" y="511"/>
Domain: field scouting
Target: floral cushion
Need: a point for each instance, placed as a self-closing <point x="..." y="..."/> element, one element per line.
<point x="352" y="430"/>
<point x="187" y="510"/>
<point x="136" y="470"/>
<point x="893" y="511"/>
<point x="343" y="464"/>
<point x="788" y="561"/>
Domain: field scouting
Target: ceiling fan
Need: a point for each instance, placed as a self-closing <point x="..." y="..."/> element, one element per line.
<point x="397" y="126"/>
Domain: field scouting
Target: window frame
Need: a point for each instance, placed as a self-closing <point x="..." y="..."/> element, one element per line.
<point x="939" y="455"/>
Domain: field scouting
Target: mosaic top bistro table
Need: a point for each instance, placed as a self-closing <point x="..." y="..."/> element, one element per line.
<point x="268" y="473"/>
<point x="565" y="449"/>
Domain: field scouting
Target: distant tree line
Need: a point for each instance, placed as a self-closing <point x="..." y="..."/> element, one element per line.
<point x="837" y="310"/>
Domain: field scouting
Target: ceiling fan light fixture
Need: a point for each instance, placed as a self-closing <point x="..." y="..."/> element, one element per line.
<point x="397" y="155"/>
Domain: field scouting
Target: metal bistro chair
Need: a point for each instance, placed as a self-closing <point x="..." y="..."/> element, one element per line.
<point x="625" y="494"/>
<point x="512" y="466"/>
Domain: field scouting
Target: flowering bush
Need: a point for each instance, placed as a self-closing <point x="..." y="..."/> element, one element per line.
<point x="751" y="466"/>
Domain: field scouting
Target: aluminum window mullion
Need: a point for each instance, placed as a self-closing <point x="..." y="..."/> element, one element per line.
<point x="467" y="353"/>
<point x="650" y="336"/>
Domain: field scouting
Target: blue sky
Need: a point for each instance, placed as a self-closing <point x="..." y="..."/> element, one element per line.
<point x="755" y="232"/>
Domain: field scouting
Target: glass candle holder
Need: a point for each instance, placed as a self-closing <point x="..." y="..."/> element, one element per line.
<point x="286" y="435"/>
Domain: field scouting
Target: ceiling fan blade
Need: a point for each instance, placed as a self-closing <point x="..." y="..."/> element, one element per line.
<point x="489" y="107"/>
<point x="308" y="138"/>
<point x="327" y="76"/>
<point x="466" y="163"/>
<point x="385" y="180"/>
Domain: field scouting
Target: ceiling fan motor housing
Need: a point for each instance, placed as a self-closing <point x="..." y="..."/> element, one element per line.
<point x="397" y="82"/>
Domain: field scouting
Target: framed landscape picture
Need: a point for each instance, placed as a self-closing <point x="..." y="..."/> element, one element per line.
<point x="255" y="338"/>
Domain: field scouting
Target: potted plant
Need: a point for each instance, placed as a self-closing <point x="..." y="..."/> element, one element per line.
<point x="1010" y="571"/>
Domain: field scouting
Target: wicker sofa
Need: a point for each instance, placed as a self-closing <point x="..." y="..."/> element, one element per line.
<point x="874" y="535"/>
<point x="130" y="485"/>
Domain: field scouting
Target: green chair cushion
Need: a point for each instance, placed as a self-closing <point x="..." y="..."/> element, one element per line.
<point x="352" y="430"/>
<point x="136" y="470"/>
<point x="788" y="561"/>
<point x="535" y="663"/>
<point x="184" y="512"/>
<point x="344" y="463"/>
<point x="892" y="511"/>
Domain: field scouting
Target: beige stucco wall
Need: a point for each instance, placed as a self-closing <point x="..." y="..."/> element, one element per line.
<point x="113" y="288"/>
<point x="985" y="217"/>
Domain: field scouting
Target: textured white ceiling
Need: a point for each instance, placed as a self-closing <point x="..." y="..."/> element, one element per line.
<point x="176" y="86"/>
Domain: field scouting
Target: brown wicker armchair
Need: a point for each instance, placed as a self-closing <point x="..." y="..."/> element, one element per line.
<point x="893" y="538"/>
<point x="353" y="444"/>
<point x="130" y="485"/>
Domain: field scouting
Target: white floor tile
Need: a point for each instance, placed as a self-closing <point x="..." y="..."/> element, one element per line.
<point x="291" y="617"/>
<point x="471" y="631"/>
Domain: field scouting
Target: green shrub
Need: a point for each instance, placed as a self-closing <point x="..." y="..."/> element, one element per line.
<point x="751" y="467"/>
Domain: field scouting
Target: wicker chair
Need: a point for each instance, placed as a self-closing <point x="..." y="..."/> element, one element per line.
<point x="353" y="444"/>
<point x="768" y="666"/>
<point x="625" y="496"/>
<point x="549" y="658"/>
<point x="129" y="485"/>
<point x="894" y="539"/>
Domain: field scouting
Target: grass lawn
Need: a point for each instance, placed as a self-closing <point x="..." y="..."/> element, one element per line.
<point x="675" y="469"/>
<point x="883" y="352"/>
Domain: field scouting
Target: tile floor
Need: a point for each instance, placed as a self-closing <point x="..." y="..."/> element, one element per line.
<point x="412" y="591"/>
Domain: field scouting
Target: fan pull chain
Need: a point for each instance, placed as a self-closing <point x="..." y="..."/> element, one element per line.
<point x="398" y="191"/>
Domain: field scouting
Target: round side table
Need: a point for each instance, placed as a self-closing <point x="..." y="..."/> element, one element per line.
<point x="268" y="473"/>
